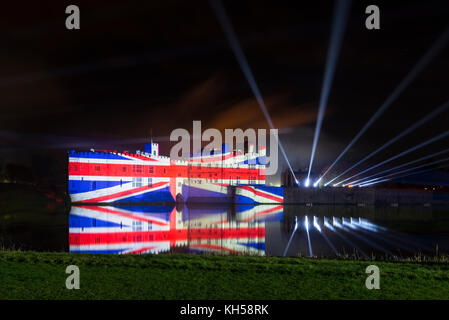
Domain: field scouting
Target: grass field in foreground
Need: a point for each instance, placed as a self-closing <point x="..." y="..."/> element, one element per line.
<point x="33" y="275"/>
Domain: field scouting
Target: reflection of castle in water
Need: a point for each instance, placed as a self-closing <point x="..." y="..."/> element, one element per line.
<point x="273" y="230"/>
<point x="155" y="229"/>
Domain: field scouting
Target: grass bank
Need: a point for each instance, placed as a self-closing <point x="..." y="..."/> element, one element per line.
<point x="32" y="275"/>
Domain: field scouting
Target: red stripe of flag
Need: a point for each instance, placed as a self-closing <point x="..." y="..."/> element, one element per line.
<point x="123" y="193"/>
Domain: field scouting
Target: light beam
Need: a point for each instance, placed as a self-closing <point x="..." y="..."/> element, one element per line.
<point x="406" y="175"/>
<point x="344" y="238"/>
<point x="291" y="237"/>
<point x="327" y="239"/>
<point x="421" y="145"/>
<point x="355" y="182"/>
<point x="226" y="25"/>
<point x="372" y="183"/>
<point x="369" y="242"/>
<point x="438" y="45"/>
<point x="340" y="17"/>
<point x="410" y="129"/>
<point x="308" y="236"/>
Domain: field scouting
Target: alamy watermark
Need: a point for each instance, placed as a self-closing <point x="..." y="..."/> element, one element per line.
<point x="182" y="149"/>
<point x="372" y="22"/>
<point x="373" y="280"/>
<point x="72" y="22"/>
<point x="72" y="281"/>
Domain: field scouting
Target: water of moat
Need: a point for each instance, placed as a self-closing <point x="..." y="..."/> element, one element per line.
<point x="321" y="231"/>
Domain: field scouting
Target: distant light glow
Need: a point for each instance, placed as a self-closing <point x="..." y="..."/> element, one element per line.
<point x="307" y="183"/>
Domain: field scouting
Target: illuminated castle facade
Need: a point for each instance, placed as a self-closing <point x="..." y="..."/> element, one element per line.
<point x="121" y="177"/>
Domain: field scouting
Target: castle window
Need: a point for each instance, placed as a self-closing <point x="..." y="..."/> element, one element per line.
<point x="97" y="168"/>
<point x="124" y="169"/>
<point x="137" y="225"/>
<point x="151" y="170"/>
<point x="137" y="182"/>
<point x="150" y="182"/>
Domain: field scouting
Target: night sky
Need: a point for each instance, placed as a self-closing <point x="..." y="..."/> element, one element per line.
<point x="137" y="68"/>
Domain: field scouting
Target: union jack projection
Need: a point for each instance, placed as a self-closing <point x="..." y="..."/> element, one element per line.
<point x="121" y="177"/>
<point x="159" y="229"/>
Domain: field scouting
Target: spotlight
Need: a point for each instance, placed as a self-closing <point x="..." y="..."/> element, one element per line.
<point x="307" y="223"/>
<point x="316" y="183"/>
<point x="315" y="223"/>
<point x="307" y="183"/>
<point x="327" y="225"/>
